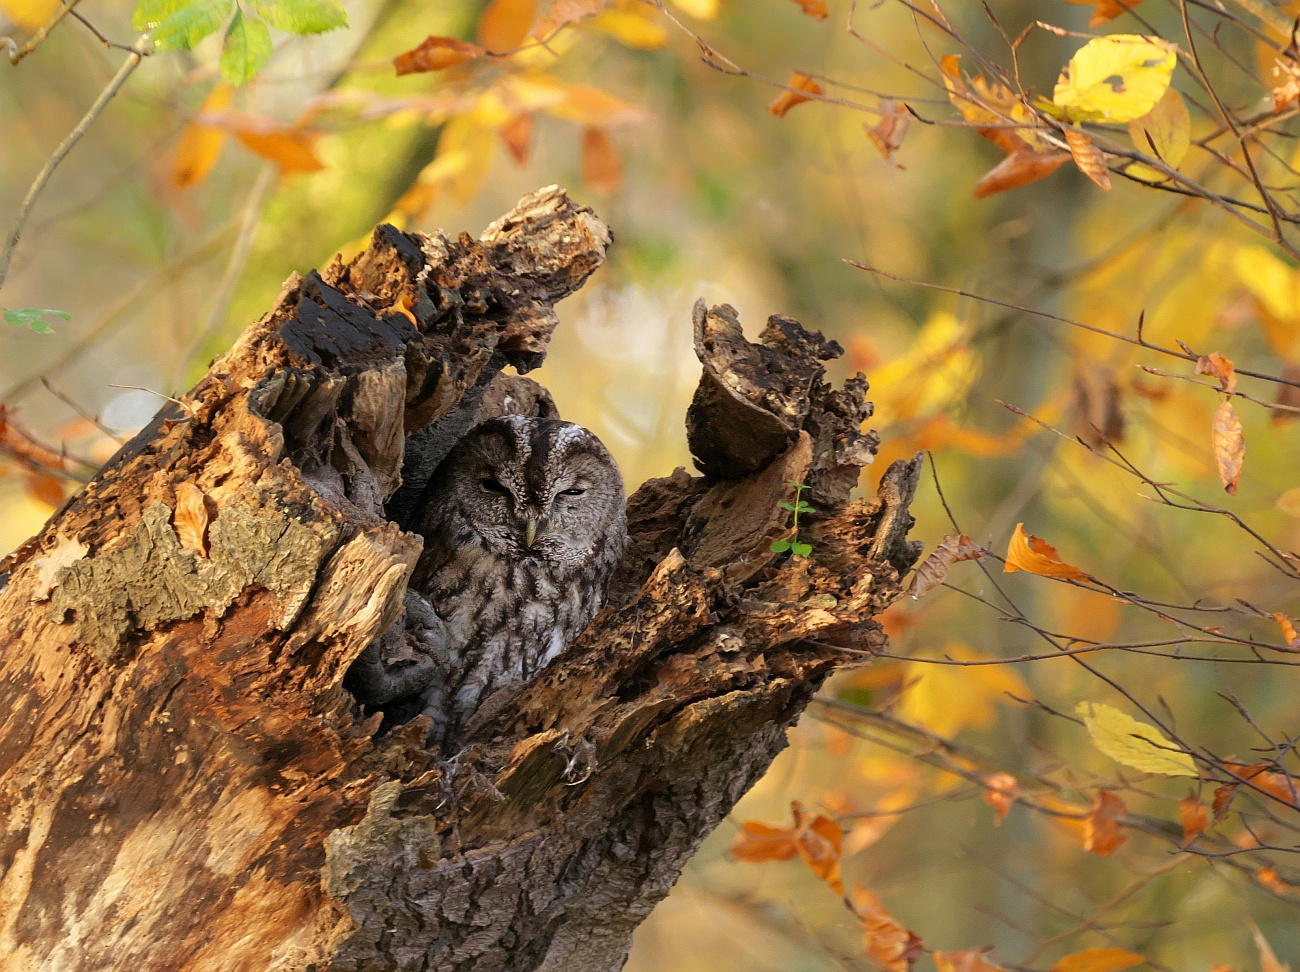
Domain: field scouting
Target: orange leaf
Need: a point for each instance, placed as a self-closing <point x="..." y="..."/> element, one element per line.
<point x="885" y="942"/>
<point x="887" y="135"/>
<point x="814" y="8"/>
<point x="504" y="24"/>
<point x="1036" y="555"/>
<point x="1280" y="785"/>
<point x="963" y="962"/>
<point x="819" y="846"/>
<point x="1221" y="368"/>
<point x="1287" y="90"/>
<point x="190" y="520"/>
<point x="1105" y="11"/>
<point x="1101" y="827"/>
<point x="1000" y="795"/>
<point x="1088" y="157"/>
<point x="932" y="571"/>
<point x="601" y="168"/>
<point x="760" y="842"/>
<point x="1273" y="881"/>
<point x="1098" y="960"/>
<point x="1019" y="169"/>
<point x="1288" y="631"/>
<point x="292" y="151"/>
<point x="1195" y="817"/>
<point x="1223" y="799"/>
<point x="788" y="99"/>
<point x="1229" y="446"/>
<point x="436" y="54"/>
<point x="199" y="146"/>
<point x="517" y="134"/>
<point x="46" y="488"/>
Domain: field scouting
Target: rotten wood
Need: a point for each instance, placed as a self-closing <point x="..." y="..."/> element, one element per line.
<point x="187" y="784"/>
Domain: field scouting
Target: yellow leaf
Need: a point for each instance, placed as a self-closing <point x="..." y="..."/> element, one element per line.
<point x="1098" y="960"/>
<point x="504" y="24"/>
<point x="199" y="146"/>
<point x="1116" y="78"/>
<point x="1164" y="131"/>
<point x="585" y="104"/>
<point x="632" y="26"/>
<point x="29" y="14"/>
<point x="1035" y="555"/>
<point x="1133" y="743"/>
<point x="948" y="698"/>
<point x="938" y="370"/>
<point x="700" y="9"/>
<point x="465" y="150"/>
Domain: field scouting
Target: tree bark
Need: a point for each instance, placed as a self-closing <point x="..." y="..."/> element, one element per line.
<point x="186" y="784"/>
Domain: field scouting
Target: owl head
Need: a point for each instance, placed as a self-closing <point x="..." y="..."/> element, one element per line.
<point x="535" y="487"/>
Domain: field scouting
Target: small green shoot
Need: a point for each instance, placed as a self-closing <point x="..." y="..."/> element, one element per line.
<point x="34" y="317"/>
<point x="793" y="545"/>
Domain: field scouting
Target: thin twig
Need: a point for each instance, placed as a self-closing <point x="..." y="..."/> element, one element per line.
<point x="139" y="49"/>
<point x="16" y="54"/>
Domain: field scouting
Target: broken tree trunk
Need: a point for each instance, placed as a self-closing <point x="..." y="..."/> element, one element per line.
<point x="186" y="784"/>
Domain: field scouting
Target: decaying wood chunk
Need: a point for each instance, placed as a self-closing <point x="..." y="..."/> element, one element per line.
<point x="187" y="785"/>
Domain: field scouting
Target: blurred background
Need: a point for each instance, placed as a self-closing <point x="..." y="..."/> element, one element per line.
<point x="163" y="239"/>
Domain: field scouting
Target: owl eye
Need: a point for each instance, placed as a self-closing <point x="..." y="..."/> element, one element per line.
<point x="572" y="492"/>
<point x="492" y="486"/>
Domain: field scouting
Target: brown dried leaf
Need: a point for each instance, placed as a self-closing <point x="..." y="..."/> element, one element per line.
<point x="601" y="168"/>
<point x="1223" y="799"/>
<point x="1194" y="815"/>
<point x="1229" y="446"/>
<point x="517" y="134"/>
<point x="504" y="25"/>
<point x="1000" y="795"/>
<point x="1219" y="367"/>
<point x="815" y="839"/>
<point x="436" y="54"/>
<point x="788" y="99"/>
<point x="1095" y="406"/>
<point x="759" y="842"/>
<point x="1098" y="960"/>
<point x="1287" y="89"/>
<point x="1088" y="157"/>
<point x="562" y="12"/>
<point x="888" y="945"/>
<point x="1288" y="395"/>
<point x="1019" y="169"/>
<point x="931" y="573"/>
<point x="819" y="846"/>
<point x="887" y="135"/>
<point x="1037" y="556"/>
<point x="190" y="519"/>
<point x="964" y="962"/>
<point x="1101" y="827"/>
<point x="814" y="8"/>
<point x="1280" y="785"/>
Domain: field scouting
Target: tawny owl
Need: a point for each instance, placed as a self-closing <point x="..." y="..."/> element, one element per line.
<point x="524" y="523"/>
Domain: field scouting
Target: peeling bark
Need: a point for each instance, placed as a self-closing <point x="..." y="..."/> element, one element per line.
<point x="187" y="784"/>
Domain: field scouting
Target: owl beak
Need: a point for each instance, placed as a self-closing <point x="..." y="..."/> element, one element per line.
<point x="530" y="533"/>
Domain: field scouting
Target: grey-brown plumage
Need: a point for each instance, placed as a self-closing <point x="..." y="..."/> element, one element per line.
<point x="524" y="523"/>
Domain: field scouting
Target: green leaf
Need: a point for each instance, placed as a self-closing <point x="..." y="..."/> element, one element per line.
<point x="34" y="318"/>
<point x="801" y="549"/>
<point x="301" y="16"/>
<point x="787" y="506"/>
<point x="247" y="50"/>
<point x="190" y="24"/>
<point x="150" y="13"/>
<point x="1133" y="743"/>
<point x="779" y="546"/>
<point x="805" y="507"/>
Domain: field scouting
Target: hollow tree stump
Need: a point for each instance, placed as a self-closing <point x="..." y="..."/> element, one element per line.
<point x="186" y="785"/>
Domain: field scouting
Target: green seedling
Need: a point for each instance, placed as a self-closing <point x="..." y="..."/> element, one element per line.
<point x="793" y="545"/>
<point x="34" y="317"/>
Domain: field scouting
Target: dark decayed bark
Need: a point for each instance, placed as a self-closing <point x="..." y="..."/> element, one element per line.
<point x="186" y="785"/>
